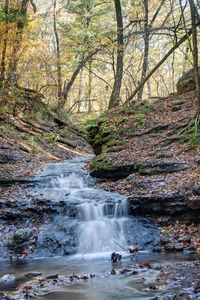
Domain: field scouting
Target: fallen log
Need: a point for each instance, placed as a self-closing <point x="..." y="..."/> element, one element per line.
<point x="62" y="140"/>
<point x="67" y="142"/>
<point x="34" y="124"/>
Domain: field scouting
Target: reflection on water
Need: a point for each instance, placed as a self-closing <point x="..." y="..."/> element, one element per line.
<point x="103" y="286"/>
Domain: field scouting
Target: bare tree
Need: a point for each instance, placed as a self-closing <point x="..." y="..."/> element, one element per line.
<point x="177" y="44"/>
<point x="147" y="26"/>
<point x="115" y="96"/>
<point x="194" y="16"/>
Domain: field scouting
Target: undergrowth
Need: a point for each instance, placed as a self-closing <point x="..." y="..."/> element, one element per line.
<point x="191" y="132"/>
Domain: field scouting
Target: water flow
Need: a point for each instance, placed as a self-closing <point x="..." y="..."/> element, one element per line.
<point x="100" y="219"/>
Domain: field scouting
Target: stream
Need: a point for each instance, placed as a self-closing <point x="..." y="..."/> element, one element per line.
<point x="80" y="240"/>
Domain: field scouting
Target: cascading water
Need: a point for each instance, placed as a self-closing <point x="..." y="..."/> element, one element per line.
<point x="95" y="221"/>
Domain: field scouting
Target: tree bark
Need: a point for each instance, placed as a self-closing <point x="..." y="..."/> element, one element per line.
<point x="80" y="94"/>
<point x="115" y="96"/>
<point x="146" y="47"/>
<point x="74" y="75"/>
<point x="185" y="59"/>
<point x="4" y="48"/>
<point x="90" y="87"/>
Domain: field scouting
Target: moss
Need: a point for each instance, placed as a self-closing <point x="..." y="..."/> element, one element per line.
<point x="139" y="167"/>
<point x="114" y="149"/>
<point x="133" y="128"/>
<point x="126" y="110"/>
<point x="104" y="163"/>
<point x="120" y="120"/>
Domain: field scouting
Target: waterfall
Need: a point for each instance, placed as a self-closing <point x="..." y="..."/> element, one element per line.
<point x="95" y="221"/>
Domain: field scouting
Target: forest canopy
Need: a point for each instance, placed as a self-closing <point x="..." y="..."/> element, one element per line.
<point x="88" y="55"/>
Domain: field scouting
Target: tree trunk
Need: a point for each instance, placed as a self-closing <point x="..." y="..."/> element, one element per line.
<point x="195" y="50"/>
<point x="173" y="73"/>
<point x="185" y="59"/>
<point x="4" y="48"/>
<point x="80" y="94"/>
<point x="12" y="75"/>
<point x="59" y="80"/>
<point x="115" y="96"/>
<point x="74" y="75"/>
<point x="146" y="47"/>
<point x="90" y="87"/>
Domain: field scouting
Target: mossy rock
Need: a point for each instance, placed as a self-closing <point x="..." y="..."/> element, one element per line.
<point x="104" y="163"/>
<point x="186" y="83"/>
<point x="176" y="108"/>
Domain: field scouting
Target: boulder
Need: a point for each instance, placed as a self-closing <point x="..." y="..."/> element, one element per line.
<point x="186" y="83"/>
<point x="22" y="235"/>
<point x="21" y="240"/>
<point x="7" y="279"/>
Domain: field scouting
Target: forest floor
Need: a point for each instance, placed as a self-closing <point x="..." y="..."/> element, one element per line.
<point x="149" y="152"/>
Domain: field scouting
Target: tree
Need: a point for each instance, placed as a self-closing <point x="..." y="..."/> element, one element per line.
<point x="115" y="96"/>
<point x="58" y="64"/>
<point x="86" y="34"/>
<point x="147" y="27"/>
<point x="177" y="44"/>
<point x="21" y="23"/>
<point x="194" y="19"/>
<point x="5" y="43"/>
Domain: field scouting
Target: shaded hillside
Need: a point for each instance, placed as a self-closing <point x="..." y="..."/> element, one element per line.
<point x="31" y="133"/>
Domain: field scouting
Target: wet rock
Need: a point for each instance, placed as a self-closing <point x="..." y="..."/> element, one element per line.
<point x="7" y="279"/>
<point x="22" y="235"/>
<point x="141" y="233"/>
<point x="33" y="274"/>
<point x="196" y="191"/>
<point x="185" y="239"/>
<point x="59" y="238"/>
<point x="4" y="297"/>
<point x="183" y="296"/>
<point x="191" y="248"/>
<point x="21" y="241"/>
<point x="52" y="276"/>
<point x="115" y="257"/>
<point x="113" y="272"/>
<point x="194" y="204"/>
<point x="178" y="246"/>
<point x="197" y="287"/>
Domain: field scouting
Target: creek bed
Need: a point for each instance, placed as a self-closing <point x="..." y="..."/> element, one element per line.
<point x="90" y="226"/>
